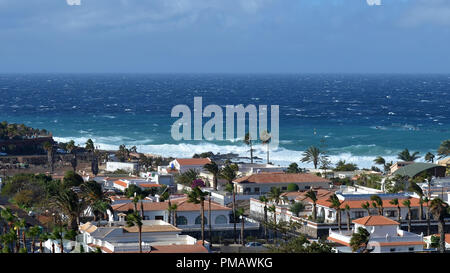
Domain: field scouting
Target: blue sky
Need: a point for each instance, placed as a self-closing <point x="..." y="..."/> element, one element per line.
<point x="232" y="36"/>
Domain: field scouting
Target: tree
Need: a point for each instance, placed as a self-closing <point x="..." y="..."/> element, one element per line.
<point x="381" y="161"/>
<point x="187" y="177"/>
<point x="292" y="187"/>
<point x="275" y="195"/>
<point x="407" y="203"/>
<point x="72" y="179"/>
<point x="426" y="200"/>
<point x="312" y="155"/>
<point x="347" y="211"/>
<point x="264" y="199"/>
<point x="90" y="147"/>
<point x="296" y="208"/>
<point x="336" y="204"/>
<point x="366" y="206"/>
<point x="438" y="209"/>
<point x="342" y="166"/>
<point x="406" y="156"/>
<point x="273" y="210"/>
<point x="213" y="168"/>
<point x="312" y="195"/>
<point x="134" y="219"/>
<point x="70" y="204"/>
<point x="229" y="173"/>
<point x="418" y="190"/>
<point x="444" y="149"/>
<point x="359" y="240"/>
<point x="96" y="199"/>
<point x="50" y="154"/>
<point x="293" y="168"/>
<point x="377" y="203"/>
<point x="265" y="139"/>
<point x="248" y="141"/>
<point x="197" y="196"/>
<point x="396" y="203"/>
<point x="33" y="233"/>
<point x="123" y="153"/>
<point x="240" y="212"/>
<point x="300" y="244"/>
<point x="429" y="157"/>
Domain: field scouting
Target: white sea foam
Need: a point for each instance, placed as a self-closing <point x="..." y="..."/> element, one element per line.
<point x="280" y="156"/>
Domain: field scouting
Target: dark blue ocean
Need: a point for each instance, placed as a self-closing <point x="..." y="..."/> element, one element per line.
<point x="358" y="116"/>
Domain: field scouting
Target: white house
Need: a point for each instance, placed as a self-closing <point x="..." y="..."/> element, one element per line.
<point x="184" y="164"/>
<point x="262" y="183"/>
<point x="356" y="201"/>
<point x="385" y="236"/>
<point x="188" y="214"/>
<point x="112" y="166"/>
<point x="249" y="169"/>
<point x="157" y="237"/>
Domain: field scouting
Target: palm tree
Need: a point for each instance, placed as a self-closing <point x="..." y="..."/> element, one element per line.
<point x="427" y="215"/>
<point x="248" y="141"/>
<point x="70" y="148"/>
<point x="134" y="219"/>
<point x="90" y="147"/>
<point x="264" y="199"/>
<point x="213" y="168"/>
<point x="229" y="173"/>
<point x="418" y="190"/>
<point x="275" y="195"/>
<point x="396" y="203"/>
<point x="265" y="139"/>
<point x="407" y="203"/>
<point x="429" y="157"/>
<point x="312" y="195"/>
<point x="173" y="209"/>
<point x="42" y="238"/>
<point x="313" y="155"/>
<point x="50" y="154"/>
<point x="406" y="156"/>
<point x="273" y="210"/>
<point x="66" y="201"/>
<point x="366" y="206"/>
<point x="34" y="232"/>
<point x="241" y="213"/>
<point x="360" y="239"/>
<point x="209" y="217"/>
<point x="439" y="209"/>
<point x="381" y="161"/>
<point x="197" y="196"/>
<point x="95" y="198"/>
<point x="378" y="203"/>
<point x="19" y="224"/>
<point x="58" y="234"/>
<point x="444" y="149"/>
<point x="336" y="204"/>
<point x="347" y="210"/>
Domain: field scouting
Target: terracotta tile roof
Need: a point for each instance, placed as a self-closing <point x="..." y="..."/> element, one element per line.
<point x="193" y="161"/>
<point x="338" y="241"/>
<point x="321" y="194"/>
<point x="281" y="178"/>
<point x="182" y="203"/>
<point x="121" y="183"/>
<point x="375" y="220"/>
<point x="179" y="249"/>
<point x="356" y="204"/>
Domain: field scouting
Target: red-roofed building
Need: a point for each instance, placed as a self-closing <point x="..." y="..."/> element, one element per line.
<point x="261" y="183"/>
<point x="385" y="236"/>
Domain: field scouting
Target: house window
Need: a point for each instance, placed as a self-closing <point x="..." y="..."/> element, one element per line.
<point x="247" y="190"/>
<point x="393" y="249"/>
<point x="330" y="214"/>
<point x="359" y="214"/>
<point x="414" y="214"/>
<point x="221" y="219"/>
<point x="181" y="220"/>
<point x="198" y="220"/>
<point x="256" y="190"/>
<point x="307" y="187"/>
<point x="391" y="213"/>
<point x="411" y="249"/>
<point x="159" y="217"/>
<point x="283" y="188"/>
